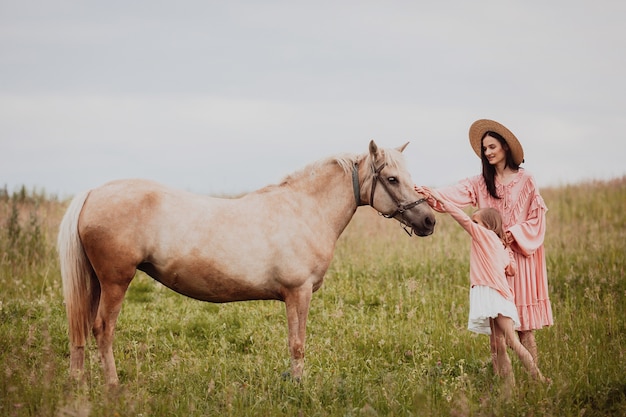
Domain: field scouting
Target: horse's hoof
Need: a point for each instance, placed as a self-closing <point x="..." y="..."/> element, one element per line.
<point x="288" y="377"/>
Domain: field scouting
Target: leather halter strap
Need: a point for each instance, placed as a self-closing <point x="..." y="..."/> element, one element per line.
<point x="356" y="187"/>
<point x="400" y="208"/>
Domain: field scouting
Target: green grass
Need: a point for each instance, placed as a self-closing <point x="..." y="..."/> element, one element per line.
<point x="386" y="332"/>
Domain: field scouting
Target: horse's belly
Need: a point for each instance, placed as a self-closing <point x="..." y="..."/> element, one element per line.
<point x="226" y="294"/>
<point x="214" y="286"/>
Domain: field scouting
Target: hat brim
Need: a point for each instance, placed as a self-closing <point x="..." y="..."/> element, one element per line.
<point x="480" y="127"/>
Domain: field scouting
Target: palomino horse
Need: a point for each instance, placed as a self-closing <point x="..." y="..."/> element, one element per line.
<point x="272" y="244"/>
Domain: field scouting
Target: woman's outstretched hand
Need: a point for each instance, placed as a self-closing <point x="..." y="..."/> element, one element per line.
<point x="429" y="193"/>
<point x="422" y="190"/>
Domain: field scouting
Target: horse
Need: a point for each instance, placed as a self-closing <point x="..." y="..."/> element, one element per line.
<point x="275" y="243"/>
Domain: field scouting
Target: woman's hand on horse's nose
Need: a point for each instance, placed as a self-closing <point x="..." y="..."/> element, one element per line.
<point x="422" y="190"/>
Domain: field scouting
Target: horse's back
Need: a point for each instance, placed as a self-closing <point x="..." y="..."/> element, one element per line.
<point x="125" y="194"/>
<point x="139" y="199"/>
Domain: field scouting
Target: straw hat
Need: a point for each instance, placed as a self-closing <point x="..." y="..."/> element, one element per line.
<point x="480" y="127"/>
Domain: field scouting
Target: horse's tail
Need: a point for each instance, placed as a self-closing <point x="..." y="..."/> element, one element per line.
<point x="81" y="289"/>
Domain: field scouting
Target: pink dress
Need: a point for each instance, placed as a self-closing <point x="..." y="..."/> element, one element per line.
<point x="524" y="215"/>
<point x="490" y="292"/>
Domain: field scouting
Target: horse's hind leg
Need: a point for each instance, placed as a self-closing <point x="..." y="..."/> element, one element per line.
<point x="297" y="303"/>
<point x="111" y="299"/>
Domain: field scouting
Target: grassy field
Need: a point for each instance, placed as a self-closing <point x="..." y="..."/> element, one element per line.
<point x="386" y="333"/>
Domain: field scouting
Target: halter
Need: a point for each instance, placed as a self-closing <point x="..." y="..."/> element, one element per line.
<point x="400" y="208"/>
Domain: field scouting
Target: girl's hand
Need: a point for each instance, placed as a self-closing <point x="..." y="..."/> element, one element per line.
<point x="509" y="238"/>
<point x="509" y="270"/>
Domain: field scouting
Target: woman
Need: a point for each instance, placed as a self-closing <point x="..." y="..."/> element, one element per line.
<point x="511" y="190"/>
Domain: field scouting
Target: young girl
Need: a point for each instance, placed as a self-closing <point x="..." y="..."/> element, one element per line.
<point x="492" y="307"/>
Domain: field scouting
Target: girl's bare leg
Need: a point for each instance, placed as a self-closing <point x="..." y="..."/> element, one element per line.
<point x="506" y="324"/>
<point x="493" y="346"/>
<point x="502" y="361"/>
<point x="527" y="338"/>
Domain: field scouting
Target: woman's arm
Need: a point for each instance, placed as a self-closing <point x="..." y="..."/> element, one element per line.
<point x="461" y="194"/>
<point x="448" y="207"/>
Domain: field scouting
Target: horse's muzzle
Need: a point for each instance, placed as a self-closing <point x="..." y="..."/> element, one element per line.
<point x="425" y="224"/>
<point x="425" y="228"/>
<point x="424" y="231"/>
<point x="420" y="219"/>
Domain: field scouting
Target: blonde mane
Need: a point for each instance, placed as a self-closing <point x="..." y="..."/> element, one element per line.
<point x="345" y="161"/>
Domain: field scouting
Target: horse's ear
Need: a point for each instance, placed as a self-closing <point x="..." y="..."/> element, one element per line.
<point x="373" y="149"/>
<point x="401" y="148"/>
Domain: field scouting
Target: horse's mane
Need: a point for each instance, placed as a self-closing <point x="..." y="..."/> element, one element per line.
<point x="345" y="161"/>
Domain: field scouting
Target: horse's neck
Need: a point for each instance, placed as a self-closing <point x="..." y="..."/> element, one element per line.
<point x="331" y="187"/>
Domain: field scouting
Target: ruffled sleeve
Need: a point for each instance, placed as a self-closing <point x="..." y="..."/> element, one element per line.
<point x="529" y="232"/>
<point x="462" y="194"/>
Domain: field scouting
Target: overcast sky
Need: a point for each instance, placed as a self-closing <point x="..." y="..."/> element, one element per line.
<point x="224" y="97"/>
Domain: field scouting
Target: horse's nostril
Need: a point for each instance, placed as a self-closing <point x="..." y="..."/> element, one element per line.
<point x="429" y="221"/>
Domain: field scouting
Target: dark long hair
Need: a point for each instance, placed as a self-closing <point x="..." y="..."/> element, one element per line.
<point x="489" y="171"/>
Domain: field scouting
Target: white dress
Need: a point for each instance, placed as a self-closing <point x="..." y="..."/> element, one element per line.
<point x="485" y="303"/>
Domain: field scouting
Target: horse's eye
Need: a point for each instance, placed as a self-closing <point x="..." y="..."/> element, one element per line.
<point x="392" y="180"/>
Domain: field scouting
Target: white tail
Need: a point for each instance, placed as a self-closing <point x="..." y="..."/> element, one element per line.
<point x="81" y="288"/>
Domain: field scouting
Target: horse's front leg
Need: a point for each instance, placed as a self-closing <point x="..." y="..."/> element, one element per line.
<point x="297" y="301"/>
